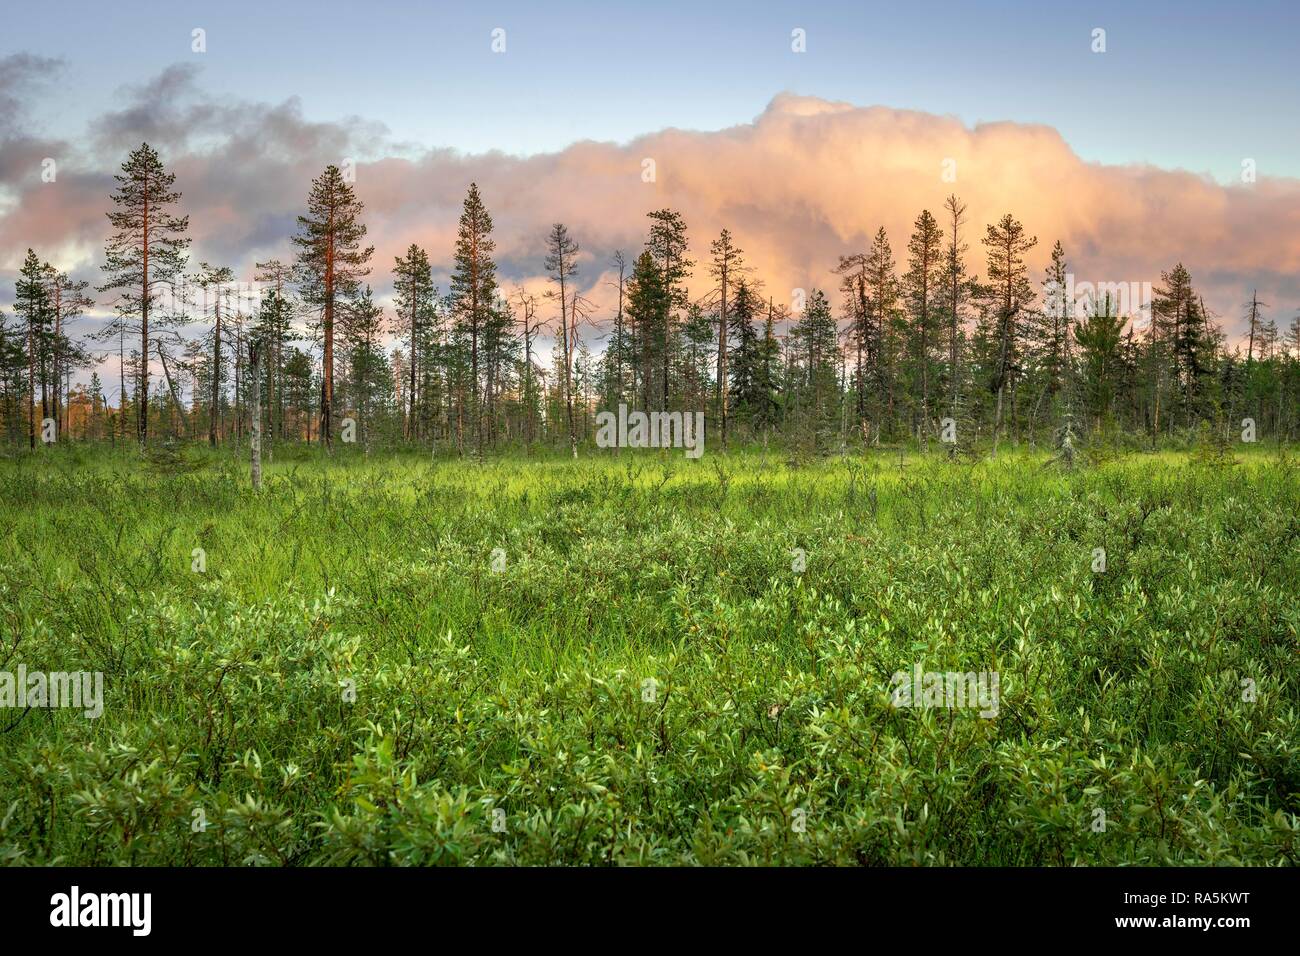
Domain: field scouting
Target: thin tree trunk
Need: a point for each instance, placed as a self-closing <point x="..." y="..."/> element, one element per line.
<point x="255" y="438"/>
<point x="142" y="405"/>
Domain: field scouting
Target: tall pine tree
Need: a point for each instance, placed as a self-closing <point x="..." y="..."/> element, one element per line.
<point x="147" y="250"/>
<point x="331" y="264"/>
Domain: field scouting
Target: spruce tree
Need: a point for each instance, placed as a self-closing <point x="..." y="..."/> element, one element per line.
<point x="1099" y="336"/>
<point x="921" y="283"/>
<point x="745" y="353"/>
<point x="882" y="291"/>
<point x="1011" y="294"/>
<point x="958" y="287"/>
<point x="668" y="245"/>
<point x="361" y="333"/>
<point x="414" y="292"/>
<point x="646" y="306"/>
<point x="32" y="306"/>
<point x="727" y="264"/>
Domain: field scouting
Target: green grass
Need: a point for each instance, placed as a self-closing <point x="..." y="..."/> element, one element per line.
<point x="225" y="691"/>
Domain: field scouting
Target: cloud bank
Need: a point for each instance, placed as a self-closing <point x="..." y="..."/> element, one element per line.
<point x="805" y="182"/>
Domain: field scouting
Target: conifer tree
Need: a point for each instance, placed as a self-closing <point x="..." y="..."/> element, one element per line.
<point x="276" y="329"/>
<point x="68" y="300"/>
<point x="215" y="280"/>
<point x="726" y="265"/>
<point x="1099" y="336"/>
<point x="361" y="333"/>
<point x="331" y="264"/>
<point x="852" y="270"/>
<point x="32" y="306"/>
<point x="561" y="265"/>
<point x="473" y="292"/>
<point x="958" y="288"/>
<point x="767" y="373"/>
<point x="414" y="291"/>
<point x="816" y="345"/>
<point x="921" y="283"/>
<point x="745" y="353"/>
<point x="882" y="291"/>
<point x="1178" y="345"/>
<point x="668" y="245"/>
<point x="1011" y="294"/>
<point x="647" y="304"/>
<point x="147" y="250"/>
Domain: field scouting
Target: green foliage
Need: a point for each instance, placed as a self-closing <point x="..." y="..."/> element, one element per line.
<point x="647" y="679"/>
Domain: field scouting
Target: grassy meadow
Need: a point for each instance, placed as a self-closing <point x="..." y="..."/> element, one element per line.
<point x="396" y="660"/>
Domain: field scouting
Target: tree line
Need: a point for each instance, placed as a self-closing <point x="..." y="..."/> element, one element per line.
<point x="942" y="343"/>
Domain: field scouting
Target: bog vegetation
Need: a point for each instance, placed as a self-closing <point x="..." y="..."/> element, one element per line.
<point x="446" y="628"/>
<point x="388" y="659"/>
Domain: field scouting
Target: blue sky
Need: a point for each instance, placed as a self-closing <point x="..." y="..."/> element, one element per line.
<point x="1181" y="85"/>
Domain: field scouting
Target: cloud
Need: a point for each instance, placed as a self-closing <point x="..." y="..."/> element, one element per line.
<point x="20" y="73"/>
<point x="22" y="76"/>
<point x="805" y="182"/>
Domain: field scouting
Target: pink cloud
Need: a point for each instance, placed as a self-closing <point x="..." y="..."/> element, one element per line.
<point x="807" y="181"/>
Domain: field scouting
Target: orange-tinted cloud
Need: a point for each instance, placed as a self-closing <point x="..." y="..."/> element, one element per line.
<point x="805" y="182"/>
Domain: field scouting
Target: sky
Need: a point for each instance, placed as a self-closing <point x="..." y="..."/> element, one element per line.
<point x="1132" y="156"/>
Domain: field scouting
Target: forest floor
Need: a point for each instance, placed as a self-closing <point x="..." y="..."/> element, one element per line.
<point x="643" y="659"/>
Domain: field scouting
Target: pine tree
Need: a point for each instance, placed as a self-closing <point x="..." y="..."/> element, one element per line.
<point x="273" y="329"/>
<point x="331" y="264"/>
<point x="617" y="354"/>
<point x="1178" y="343"/>
<point x="499" y="354"/>
<point x="530" y="324"/>
<point x="13" y="372"/>
<point x="1011" y="294"/>
<point x="473" y="290"/>
<point x="695" y="348"/>
<point x="146" y="250"/>
<point x="98" y="406"/>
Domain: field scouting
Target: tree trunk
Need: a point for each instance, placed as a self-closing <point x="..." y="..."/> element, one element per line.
<point x="216" y="374"/>
<point x="255" y="436"/>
